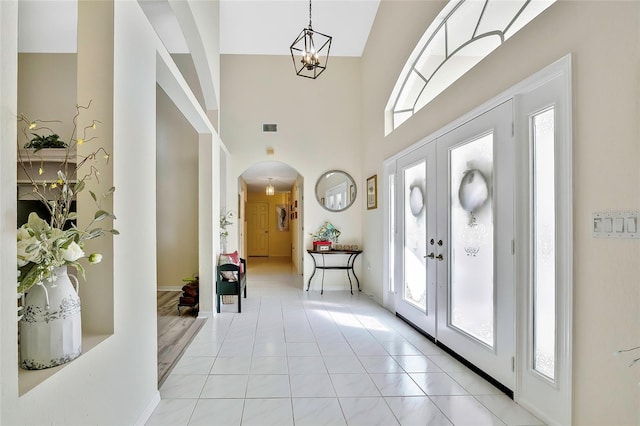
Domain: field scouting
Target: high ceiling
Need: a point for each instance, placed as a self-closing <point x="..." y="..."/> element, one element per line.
<point x="268" y="27"/>
<point x="247" y="27"/>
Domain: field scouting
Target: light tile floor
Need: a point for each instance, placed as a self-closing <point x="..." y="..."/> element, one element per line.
<point x="298" y="358"/>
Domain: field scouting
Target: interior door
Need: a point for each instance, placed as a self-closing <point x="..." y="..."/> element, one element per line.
<point x="416" y="293"/>
<point x="257" y="228"/>
<point x="476" y="224"/>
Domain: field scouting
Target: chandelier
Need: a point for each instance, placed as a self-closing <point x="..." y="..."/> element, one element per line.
<point x="311" y="60"/>
<point x="270" y="190"/>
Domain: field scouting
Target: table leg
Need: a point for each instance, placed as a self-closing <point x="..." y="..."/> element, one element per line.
<point x="322" y="284"/>
<point x="351" y="261"/>
<point x="350" y="284"/>
<point x="314" y="271"/>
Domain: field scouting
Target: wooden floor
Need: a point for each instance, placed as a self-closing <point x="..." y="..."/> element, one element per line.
<point x="174" y="332"/>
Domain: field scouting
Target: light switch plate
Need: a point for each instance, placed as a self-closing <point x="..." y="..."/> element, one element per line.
<point x="615" y="225"/>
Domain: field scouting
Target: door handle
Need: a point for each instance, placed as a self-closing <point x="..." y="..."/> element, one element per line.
<point x="430" y="255"/>
<point x="439" y="257"/>
<point x="266" y="232"/>
<point x="440" y="243"/>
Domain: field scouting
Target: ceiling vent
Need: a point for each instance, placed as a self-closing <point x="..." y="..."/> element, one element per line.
<point x="269" y="128"/>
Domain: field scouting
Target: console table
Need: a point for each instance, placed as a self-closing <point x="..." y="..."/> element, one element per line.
<point x="352" y="254"/>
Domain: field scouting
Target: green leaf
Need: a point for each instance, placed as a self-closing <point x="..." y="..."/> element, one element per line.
<point x="95" y="233"/>
<point x="101" y="214"/>
<point x="93" y="195"/>
<point x="79" y="186"/>
<point x="114" y="232"/>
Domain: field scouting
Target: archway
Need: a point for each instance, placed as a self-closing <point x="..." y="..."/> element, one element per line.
<point x="270" y="223"/>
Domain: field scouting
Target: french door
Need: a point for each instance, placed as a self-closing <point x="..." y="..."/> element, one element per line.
<point x="416" y="196"/>
<point x="456" y="223"/>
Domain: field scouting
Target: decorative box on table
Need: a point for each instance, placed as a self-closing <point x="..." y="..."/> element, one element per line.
<point x="322" y="245"/>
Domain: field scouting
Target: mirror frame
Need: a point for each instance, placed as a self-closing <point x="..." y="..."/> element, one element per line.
<point x="348" y="177"/>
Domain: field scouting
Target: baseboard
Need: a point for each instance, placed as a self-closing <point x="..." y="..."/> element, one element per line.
<point x="170" y="288"/>
<point x="205" y="314"/>
<point x="146" y="414"/>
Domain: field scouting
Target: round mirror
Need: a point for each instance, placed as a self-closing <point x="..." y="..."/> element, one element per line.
<point x="335" y="190"/>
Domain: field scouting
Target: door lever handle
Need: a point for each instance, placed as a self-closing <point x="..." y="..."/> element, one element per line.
<point x="439" y="257"/>
<point x="430" y="255"/>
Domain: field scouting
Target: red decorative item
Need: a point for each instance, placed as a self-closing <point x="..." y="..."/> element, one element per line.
<point x="322" y="245"/>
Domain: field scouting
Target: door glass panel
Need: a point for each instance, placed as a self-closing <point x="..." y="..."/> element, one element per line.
<point x="471" y="264"/>
<point x="415" y="244"/>
<point x="544" y="231"/>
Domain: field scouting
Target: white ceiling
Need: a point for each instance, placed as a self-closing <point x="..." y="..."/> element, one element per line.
<point x="247" y="27"/>
<point x="267" y="27"/>
<point x="282" y="176"/>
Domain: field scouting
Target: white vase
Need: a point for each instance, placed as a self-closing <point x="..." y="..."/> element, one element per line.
<point x="50" y="329"/>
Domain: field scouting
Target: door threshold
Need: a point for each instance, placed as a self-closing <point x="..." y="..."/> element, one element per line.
<point x="502" y="388"/>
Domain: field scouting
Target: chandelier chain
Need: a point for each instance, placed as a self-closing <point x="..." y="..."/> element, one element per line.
<point x="309" y="14"/>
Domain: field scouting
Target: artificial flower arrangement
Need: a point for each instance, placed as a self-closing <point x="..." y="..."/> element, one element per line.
<point x="225" y="220"/>
<point x="327" y="232"/>
<point x="44" y="246"/>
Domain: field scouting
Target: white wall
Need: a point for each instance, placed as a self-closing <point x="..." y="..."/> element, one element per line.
<point x="177" y="195"/>
<point x="318" y="130"/>
<point x="604" y="40"/>
<point x="8" y="157"/>
<point x="121" y="371"/>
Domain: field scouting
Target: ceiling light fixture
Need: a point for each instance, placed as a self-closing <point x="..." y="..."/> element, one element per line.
<point x="270" y="190"/>
<point x="313" y="61"/>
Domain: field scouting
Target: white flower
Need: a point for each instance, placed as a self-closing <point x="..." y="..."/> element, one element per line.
<point x="25" y="256"/>
<point x="23" y="233"/>
<point x="95" y="258"/>
<point x="72" y="253"/>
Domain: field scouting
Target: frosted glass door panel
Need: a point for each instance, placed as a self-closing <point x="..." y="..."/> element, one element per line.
<point x="475" y="262"/>
<point x="415" y="243"/>
<point x="544" y="232"/>
<point x="415" y="275"/>
<point x="471" y="269"/>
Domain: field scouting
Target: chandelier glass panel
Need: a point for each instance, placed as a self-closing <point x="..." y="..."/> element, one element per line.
<point x="270" y="190"/>
<point x="310" y="51"/>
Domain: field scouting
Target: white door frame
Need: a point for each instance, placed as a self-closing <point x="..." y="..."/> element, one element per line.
<point x="559" y="69"/>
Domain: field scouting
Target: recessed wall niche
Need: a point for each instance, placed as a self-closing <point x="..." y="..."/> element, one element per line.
<point x="47" y="90"/>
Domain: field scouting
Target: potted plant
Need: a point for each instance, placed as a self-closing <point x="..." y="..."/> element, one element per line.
<point x="39" y="142"/>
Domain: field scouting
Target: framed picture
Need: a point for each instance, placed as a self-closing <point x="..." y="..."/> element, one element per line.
<point x="282" y="218"/>
<point x="372" y="192"/>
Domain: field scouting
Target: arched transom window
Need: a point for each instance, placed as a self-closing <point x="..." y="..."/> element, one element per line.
<point x="461" y="36"/>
